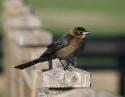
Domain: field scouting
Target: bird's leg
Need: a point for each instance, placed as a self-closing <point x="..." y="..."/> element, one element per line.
<point x="64" y="67"/>
<point x="70" y="62"/>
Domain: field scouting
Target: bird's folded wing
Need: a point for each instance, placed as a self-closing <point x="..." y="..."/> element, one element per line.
<point x="55" y="46"/>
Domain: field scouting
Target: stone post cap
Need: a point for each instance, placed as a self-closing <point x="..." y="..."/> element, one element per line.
<point x="60" y="78"/>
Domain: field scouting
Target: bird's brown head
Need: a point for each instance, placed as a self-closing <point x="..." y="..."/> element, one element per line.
<point x="79" y="32"/>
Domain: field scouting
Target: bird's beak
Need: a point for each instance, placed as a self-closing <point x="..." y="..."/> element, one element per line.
<point x="86" y="33"/>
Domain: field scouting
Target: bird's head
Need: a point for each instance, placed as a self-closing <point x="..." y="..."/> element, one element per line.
<point x="79" y="32"/>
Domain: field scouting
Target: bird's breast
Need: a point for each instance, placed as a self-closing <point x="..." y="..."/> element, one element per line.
<point x="69" y="51"/>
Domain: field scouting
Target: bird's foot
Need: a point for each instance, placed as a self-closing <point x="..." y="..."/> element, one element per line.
<point x="64" y="67"/>
<point x="68" y="67"/>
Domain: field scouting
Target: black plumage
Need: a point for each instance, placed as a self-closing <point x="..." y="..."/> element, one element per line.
<point x="65" y="48"/>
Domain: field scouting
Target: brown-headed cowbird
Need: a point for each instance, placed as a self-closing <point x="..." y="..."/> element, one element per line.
<point x="65" y="48"/>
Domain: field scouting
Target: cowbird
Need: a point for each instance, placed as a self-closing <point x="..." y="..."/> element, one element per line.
<point x="65" y="48"/>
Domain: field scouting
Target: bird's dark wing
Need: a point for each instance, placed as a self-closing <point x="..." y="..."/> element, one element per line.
<point x="58" y="44"/>
<point x="61" y="42"/>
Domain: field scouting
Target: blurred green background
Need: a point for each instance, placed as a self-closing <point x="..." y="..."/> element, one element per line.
<point x="102" y="17"/>
<point x="1" y="31"/>
<point x="105" y="18"/>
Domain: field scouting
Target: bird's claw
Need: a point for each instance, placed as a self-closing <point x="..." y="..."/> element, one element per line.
<point x="67" y="67"/>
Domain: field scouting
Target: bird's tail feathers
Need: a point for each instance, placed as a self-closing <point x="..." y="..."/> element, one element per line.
<point x="30" y="63"/>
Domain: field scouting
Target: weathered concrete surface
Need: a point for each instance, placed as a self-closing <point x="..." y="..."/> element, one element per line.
<point x="87" y="92"/>
<point x="60" y="78"/>
<point x="27" y="21"/>
<point x="35" y="38"/>
<point x="78" y="93"/>
<point x="81" y="92"/>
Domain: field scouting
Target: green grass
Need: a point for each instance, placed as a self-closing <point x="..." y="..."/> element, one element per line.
<point x="103" y="17"/>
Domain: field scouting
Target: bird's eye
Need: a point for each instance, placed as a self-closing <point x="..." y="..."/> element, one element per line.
<point x="80" y="32"/>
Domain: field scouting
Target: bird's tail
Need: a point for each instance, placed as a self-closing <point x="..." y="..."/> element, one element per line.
<point x="30" y="63"/>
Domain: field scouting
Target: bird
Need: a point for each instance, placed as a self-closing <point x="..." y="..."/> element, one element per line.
<point x="65" y="48"/>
